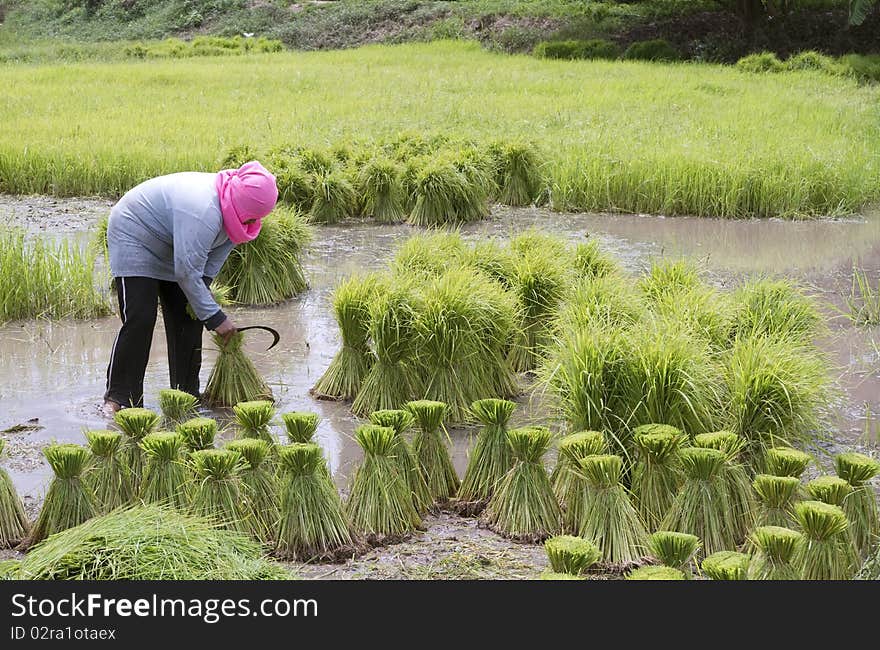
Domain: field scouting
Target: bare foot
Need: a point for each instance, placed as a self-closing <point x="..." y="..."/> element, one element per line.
<point x="110" y="409"/>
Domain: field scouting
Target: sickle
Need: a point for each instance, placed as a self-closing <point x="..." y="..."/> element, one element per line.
<point x="273" y="332"/>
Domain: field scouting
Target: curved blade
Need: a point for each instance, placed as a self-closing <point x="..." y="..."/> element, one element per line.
<point x="273" y="332"/>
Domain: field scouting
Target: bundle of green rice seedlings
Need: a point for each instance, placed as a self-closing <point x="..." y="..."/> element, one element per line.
<point x="14" y="524"/>
<point x="573" y="555"/>
<point x="400" y="421"/>
<point x="234" y="378"/>
<point x="656" y="573"/>
<point x="786" y="461"/>
<point x="701" y="507"/>
<point x="260" y="487"/>
<point x="656" y="476"/>
<point x="667" y="277"/>
<point x="830" y="489"/>
<point x="441" y="195"/>
<point x="253" y="419"/>
<point x="518" y="166"/>
<point x="296" y="187"/>
<point x="10" y="569"/>
<point x="430" y="450"/>
<point x="523" y="506"/>
<point x="828" y="552"/>
<point x="98" y="244"/>
<point x="391" y="380"/>
<point x="861" y="506"/>
<point x="608" y="301"/>
<point x="429" y="255"/>
<point x="491" y="457"/>
<point x="591" y="262"/>
<point x="177" y="406"/>
<point x="312" y="523"/>
<point x="726" y="565"/>
<point x="703" y="311"/>
<point x="674" y="549"/>
<point x="69" y="500"/>
<point x="776" y="496"/>
<point x="381" y="191"/>
<point x="314" y="161"/>
<point x="479" y="173"/>
<point x="609" y="517"/>
<point x="217" y="494"/>
<point x="568" y="481"/>
<point x="135" y="423"/>
<point x="553" y="575"/>
<point x="776" y="309"/>
<point x="379" y="504"/>
<point x="335" y="198"/>
<point x="165" y="477"/>
<point x="106" y="474"/>
<point x="300" y="426"/>
<point x="777" y="548"/>
<point x="198" y="433"/>
<point x="493" y="259"/>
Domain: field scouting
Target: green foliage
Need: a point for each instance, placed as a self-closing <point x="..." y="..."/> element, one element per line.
<point x="726" y="565"/>
<point x="761" y="62"/>
<point x="14" y="524"/>
<point x="653" y="50"/>
<point x="596" y="48"/>
<point x="491" y="457"/>
<point x="234" y="378"/>
<point x="573" y="555"/>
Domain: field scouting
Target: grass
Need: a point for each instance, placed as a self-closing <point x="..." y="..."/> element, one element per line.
<point x="777" y="309"/>
<point x="105" y="472"/>
<point x="863" y="302"/>
<point x="489" y="459"/>
<point x="572" y="555"/>
<point x="14" y="524"/>
<point x="166" y="479"/>
<point x="797" y="144"/>
<point x="234" y="378"/>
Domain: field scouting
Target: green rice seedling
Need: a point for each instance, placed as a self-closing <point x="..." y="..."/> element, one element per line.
<point x="267" y="270"/>
<point x="312" y="524"/>
<point x="165" y="477"/>
<point x="381" y="191"/>
<point x="253" y="419"/>
<point x="776" y="496"/>
<point x="491" y="457"/>
<point x="573" y="555"/>
<point x="441" y="195"/>
<point x="830" y="489"/>
<point x="673" y="549"/>
<point x="777" y="548"/>
<point x="861" y="506"/>
<point x="177" y="406"/>
<point x="701" y="507"/>
<point x="300" y="426"/>
<point x="69" y="500"/>
<point x="523" y="507"/>
<point x="703" y="311"/>
<point x="518" y="166"/>
<point x="217" y="494"/>
<point x="259" y="487"/>
<point x="107" y="475"/>
<point x="198" y="433"/>
<point x="479" y="174"/>
<point x="863" y="302"/>
<point x="607" y="301"/>
<point x="400" y="421"/>
<point x="591" y="262"/>
<point x="98" y="243"/>
<point x="785" y="461"/>
<point x="568" y="481"/>
<point x="656" y="476"/>
<point x="335" y="198"/>
<point x="726" y="565"/>
<point x="777" y="309"/>
<point x="429" y="255"/>
<point x="430" y="450"/>
<point x="296" y="187"/>
<point x="827" y="552"/>
<point x="668" y="277"/>
<point x="656" y="573"/>
<point x="135" y="423"/>
<point x="379" y="505"/>
<point x="234" y="378"/>
<point x="495" y="260"/>
<point x="314" y="161"/>
<point x="10" y="569"/>
<point x="14" y="524"/>
<point x="553" y="575"/>
<point x="609" y="518"/>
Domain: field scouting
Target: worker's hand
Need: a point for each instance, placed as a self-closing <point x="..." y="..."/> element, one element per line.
<point x="226" y="329"/>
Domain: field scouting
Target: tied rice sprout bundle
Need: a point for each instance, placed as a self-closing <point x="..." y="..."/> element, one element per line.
<point x="568" y="481"/>
<point x="300" y="426"/>
<point x="656" y="476"/>
<point x="861" y="506"/>
<point x="234" y="378"/>
<point x="519" y="174"/>
<point x="335" y="198"/>
<point x="165" y="477"/>
<point x="135" y="423"/>
<point x="830" y="489"/>
<point x="69" y="500"/>
<point x="523" y="507"/>
<point x="408" y="466"/>
<point x="608" y="301"/>
<point x="430" y="450"/>
<point x="777" y="496"/>
<point x="785" y="461"/>
<point x="828" y="552"/>
<point x="491" y="457"/>
<point x="347" y="370"/>
<point x="656" y="573"/>
<point x="776" y="309"/>
<point x="703" y="311"/>
<point x="591" y="262"/>
<point x="379" y="504"/>
<point x="14" y="525"/>
<point x="673" y="549"/>
<point x="313" y="525"/>
<point x="573" y="555"/>
<point x="198" y="433"/>
<point x="553" y="575"/>
<point x="429" y="255"/>
<point x="260" y="487"/>
<point x="480" y="178"/>
<point x="609" y="518"/>
<point x="177" y="406"/>
<point x="380" y="185"/>
<point x="441" y="195"/>
<point x="105" y="473"/>
<point x="667" y="277"/>
<point x="726" y="565"/>
<point x="253" y="420"/>
<point x="217" y="493"/>
<point x="776" y="549"/>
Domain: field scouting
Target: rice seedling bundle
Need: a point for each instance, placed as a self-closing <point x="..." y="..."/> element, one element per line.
<point x="591" y="262"/>
<point x="198" y="433"/>
<point x="313" y="524"/>
<point x="400" y="421"/>
<point x="14" y="524"/>
<point x="703" y="311"/>
<point x="105" y="472"/>
<point x="381" y="191"/>
<point x="429" y="255"/>
<point x="656" y="573"/>
<point x="479" y="173"/>
<point x="491" y="457"/>
<point x="177" y="406"/>
<point x="673" y="549"/>
<point x="135" y="423"/>
<point x="296" y="188"/>
<point x="429" y="448"/>
<point x="379" y="505"/>
<point x="491" y="258"/>
<point x="300" y="426"/>
<point x="777" y="548"/>
<point x="828" y="552"/>
<point x="726" y="565"/>
<point x="573" y="555"/>
<point x="351" y="306"/>
<point x="69" y="500"/>
<point x="335" y="198"/>
<point x="830" y="489"/>
<point x="777" y="496"/>
<point x="441" y="195"/>
<point x="861" y="506"/>
<point x="165" y="477"/>
<point x="553" y="575"/>
<point x="148" y="542"/>
<point x="776" y="309"/>
<point x="523" y="507"/>
<point x="267" y="270"/>
<point x="253" y="419"/>
<point x="234" y="378"/>
<point x="607" y="301"/>
<point x="568" y="481"/>
<point x="609" y="518"/>
<point x="667" y="277"/>
<point x="519" y="173"/>
<point x="701" y="507"/>
<point x="259" y="487"/>
<point x="217" y="491"/>
<point x="10" y="569"/>
<point x="656" y="476"/>
<point x="786" y="461"/>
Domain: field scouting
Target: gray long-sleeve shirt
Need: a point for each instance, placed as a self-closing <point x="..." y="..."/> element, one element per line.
<point x="171" y="228"/>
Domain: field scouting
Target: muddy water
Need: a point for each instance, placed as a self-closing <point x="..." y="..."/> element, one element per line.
<point x="55" y="372"/>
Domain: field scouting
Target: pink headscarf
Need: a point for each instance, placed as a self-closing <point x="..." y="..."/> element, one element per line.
<point x="248" y="192"/>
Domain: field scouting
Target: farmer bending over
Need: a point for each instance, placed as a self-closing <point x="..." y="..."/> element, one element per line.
<point x="168" y="238"/>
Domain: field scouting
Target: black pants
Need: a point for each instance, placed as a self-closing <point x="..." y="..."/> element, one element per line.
<point x="138" y="298"/>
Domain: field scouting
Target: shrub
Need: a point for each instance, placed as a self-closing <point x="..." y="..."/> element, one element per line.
<point x="761" y="62"/>
<point x="596" y="48"/>
<point x="653" y="50"/>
